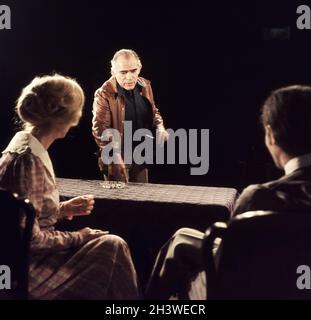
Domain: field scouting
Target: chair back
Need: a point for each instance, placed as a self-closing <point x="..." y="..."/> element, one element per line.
<point x="17" y="219"/>
<point x="259" y="257"/>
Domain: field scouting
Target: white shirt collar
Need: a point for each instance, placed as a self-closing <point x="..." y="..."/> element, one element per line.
<point x="24" y="140"/>
<point x="297" y="163"/>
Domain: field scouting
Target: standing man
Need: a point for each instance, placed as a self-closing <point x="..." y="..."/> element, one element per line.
<point x="125" y="97"/>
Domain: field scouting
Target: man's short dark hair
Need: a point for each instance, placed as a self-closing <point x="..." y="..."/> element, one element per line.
<point x="288" y="112"/>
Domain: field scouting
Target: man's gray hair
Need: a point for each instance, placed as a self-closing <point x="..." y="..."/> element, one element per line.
<point x="127" y="53"/>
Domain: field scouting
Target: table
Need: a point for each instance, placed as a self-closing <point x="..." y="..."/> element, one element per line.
<point x="146" y="215"/>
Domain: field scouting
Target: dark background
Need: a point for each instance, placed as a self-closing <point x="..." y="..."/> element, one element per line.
<point x="210" y="64"/>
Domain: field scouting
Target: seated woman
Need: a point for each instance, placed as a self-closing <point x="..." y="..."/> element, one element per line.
<point x="85" y="264"/>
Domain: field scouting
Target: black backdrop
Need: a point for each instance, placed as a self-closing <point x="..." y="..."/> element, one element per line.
<point x="210" y="65"/>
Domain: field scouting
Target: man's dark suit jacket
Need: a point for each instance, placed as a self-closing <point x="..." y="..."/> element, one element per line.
<point x="290" y="193"/>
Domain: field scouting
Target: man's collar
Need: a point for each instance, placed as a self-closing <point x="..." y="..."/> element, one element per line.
<point x="297" y="163"/>
<point x="124" y="92"/>
<point x="111" y="84"/>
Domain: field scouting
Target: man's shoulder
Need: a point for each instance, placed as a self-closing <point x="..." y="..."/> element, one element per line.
<point x="255" y="189"/>
<point x="256" y="197"/>
<point x="108" y="88"/>
<point x="268" y="186"/>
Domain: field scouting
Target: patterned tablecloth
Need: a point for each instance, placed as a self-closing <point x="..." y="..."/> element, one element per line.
<point x="159" y="193"/>
<point x="146" y="215"/>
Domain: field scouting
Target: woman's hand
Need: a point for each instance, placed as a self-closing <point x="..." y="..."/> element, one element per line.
<point x="89" y="234"/>
<point x="78" y="206"/>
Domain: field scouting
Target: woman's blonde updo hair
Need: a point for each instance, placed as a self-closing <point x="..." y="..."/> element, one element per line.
<point x="48" y="101"/>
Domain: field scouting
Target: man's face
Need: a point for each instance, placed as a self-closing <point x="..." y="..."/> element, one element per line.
<point x="126" y="71"/>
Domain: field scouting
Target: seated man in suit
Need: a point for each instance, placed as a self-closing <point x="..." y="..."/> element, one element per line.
<point x="286" y="118"/>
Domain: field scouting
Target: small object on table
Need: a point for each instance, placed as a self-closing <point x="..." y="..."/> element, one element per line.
<point x="112" y="184"/>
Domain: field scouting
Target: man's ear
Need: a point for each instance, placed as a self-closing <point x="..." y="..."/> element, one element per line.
<point x="270" y="140"/>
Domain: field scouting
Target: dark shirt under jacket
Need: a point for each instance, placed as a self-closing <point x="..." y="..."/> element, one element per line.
<point x="137" y="108"/>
